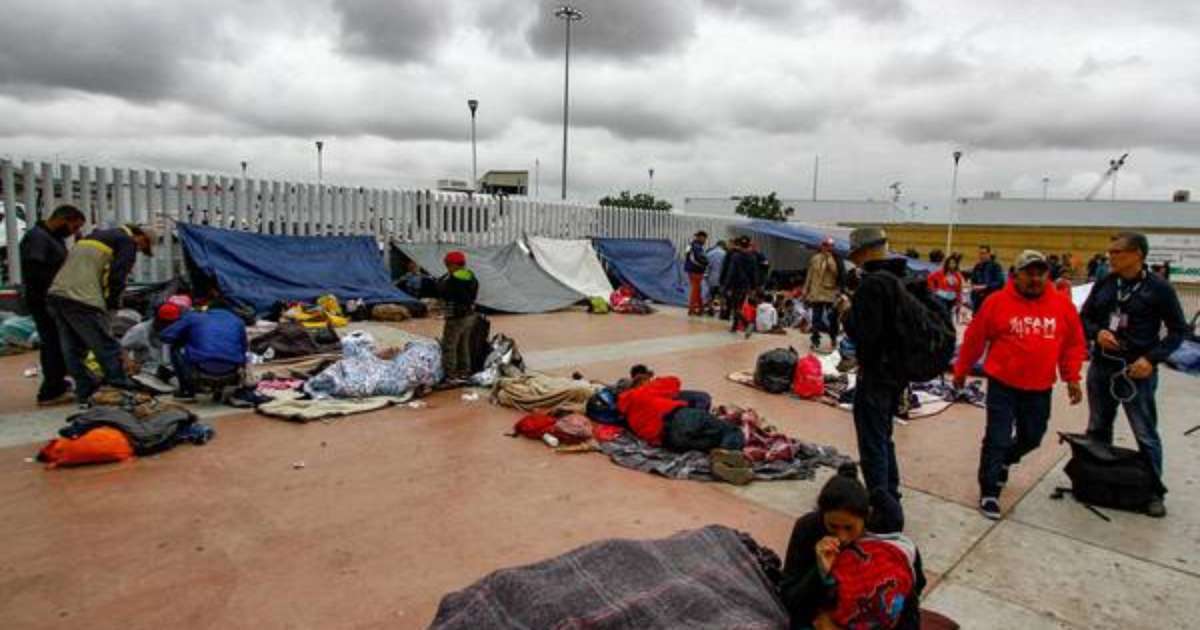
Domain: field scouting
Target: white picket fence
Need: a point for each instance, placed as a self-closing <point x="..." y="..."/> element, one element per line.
<point x="111" y="196"/>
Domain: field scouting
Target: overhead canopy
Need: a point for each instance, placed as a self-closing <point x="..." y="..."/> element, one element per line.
<point x="571" y="262"/>
<point x="782" y="257"/>
<point x="650" y="265"/>
<point x="262" y="269"/>
<point x="509" y="280"/>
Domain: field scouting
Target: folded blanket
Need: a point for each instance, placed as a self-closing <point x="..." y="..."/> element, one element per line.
<point x="631" y="452"/>
<point x="309" y="410"/>
<point x="705" y="578"/>
<point x="537" y="392"/>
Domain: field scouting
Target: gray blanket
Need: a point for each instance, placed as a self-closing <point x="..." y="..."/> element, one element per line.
<point x="703" y="578"/>
<point x="630" y="452"/>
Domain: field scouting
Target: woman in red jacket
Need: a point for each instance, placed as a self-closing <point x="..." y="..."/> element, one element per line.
<point x="946" y="284"/>
<point x="1028" y="330"/>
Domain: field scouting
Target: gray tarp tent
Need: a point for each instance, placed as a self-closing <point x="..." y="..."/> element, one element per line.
<point x="509" y="280"/>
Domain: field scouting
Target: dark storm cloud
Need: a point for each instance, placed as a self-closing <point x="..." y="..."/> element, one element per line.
<point x="627" y="119"/>
<point x="796" y="116"/>
<point x="391" y="30"/>
<point x="940" y="65"/>
<point x="618" y="29"/>
<point x="764" y="9"/>
<point x="874" y="11"/>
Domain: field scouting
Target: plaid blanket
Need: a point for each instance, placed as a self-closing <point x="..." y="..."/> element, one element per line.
<point x="703" y="578"/>
<point x="631" y="452"/>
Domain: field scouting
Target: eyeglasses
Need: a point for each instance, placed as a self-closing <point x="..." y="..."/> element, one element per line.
<point x="1115" y="251"/>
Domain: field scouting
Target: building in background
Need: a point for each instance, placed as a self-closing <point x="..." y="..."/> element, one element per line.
<point x="510" y="183"/>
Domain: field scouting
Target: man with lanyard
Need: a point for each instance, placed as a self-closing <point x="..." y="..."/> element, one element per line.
<point x="43" y="252"/>
<point x="1124" y="315"/>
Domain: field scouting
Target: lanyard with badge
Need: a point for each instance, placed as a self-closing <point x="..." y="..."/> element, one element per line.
<point x="1120" y="319"/>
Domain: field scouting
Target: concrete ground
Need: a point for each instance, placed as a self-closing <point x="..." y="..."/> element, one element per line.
<point x="393" y="509"/>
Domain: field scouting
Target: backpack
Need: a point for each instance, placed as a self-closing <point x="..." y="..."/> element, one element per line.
<point x="534" y="426"/>
<point x="875" y="579"/>
<point x="809" y="382"/>
<point x="925" y="334"/>
<point x="602" y="407"/>
<point x="1110" y="476"/>
<point x="99" y="445"/>
<point x="481" y="331"/>
<point x="775" y="370"/>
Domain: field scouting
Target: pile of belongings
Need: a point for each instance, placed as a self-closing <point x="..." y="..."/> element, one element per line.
<point x="1187" y="358"/>
<point x="122" y="425"/>
<point x="17" y="334"/>
<point x="291" y="339"/>
<point x="540" y="392"/>
<point x="713" y="577"/>
<point x="625" y="300"/>
<point x="503" y="361"/>
<point x="324" y="313"/>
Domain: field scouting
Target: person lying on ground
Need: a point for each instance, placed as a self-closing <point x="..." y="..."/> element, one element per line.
<point x="847" y="563"/>
<point x="143" y="346"/>
<point x="210" y="343"/>
<point x="661" y="413"/>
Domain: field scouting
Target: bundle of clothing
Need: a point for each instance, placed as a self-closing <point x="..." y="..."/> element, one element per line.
<point x="540" y="392"/>
<point x="624" y="300"/>
<point x="110" y="434"/>
<point x="364" y="373"/>
<point x="17" y="334"/>
<point x="714" y="577"/>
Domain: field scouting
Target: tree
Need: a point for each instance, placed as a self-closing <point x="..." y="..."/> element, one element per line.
<point x="764" y="207"/>
<point x="640" y="201"/>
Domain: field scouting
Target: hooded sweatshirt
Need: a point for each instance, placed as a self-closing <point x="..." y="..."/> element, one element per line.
<point x="645" y="407"/>
<point x="1026" y="339"/>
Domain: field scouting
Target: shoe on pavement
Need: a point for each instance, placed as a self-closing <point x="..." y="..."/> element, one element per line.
<point x="1156" y="508"/>
<point x="731" y="466"/>
<point x="990" y="507"/>
<point x="182" y="396"/>
<point x="64" y="398"/>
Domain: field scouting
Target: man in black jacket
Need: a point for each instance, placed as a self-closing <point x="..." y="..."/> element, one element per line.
<point x="1124" y="315"/>
<point x="738" y="278"/>
<point x="695" y="264"/>
<point x="869" y="324"/>
<point x="43" y="252"/>
<point x="987" y="277"/>
<point x="458" y="289"/>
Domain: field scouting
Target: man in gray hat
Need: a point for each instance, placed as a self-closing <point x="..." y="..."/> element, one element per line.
<point x="880" y="385"/>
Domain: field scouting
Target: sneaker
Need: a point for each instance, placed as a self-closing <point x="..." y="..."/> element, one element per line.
<point x="731" y="467"/>
<point x="990" y="507"/>
<point x="64" y="398"/>
<point x="182" y="396"/>
<point x="1003" y="480"/>
<point x="1156" y="508"/>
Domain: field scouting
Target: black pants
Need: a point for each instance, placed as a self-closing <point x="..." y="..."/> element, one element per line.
<point x="825" y="319"/>
<point x="689" y="429"/>
<point x="736" y="297"/>
<point x="1016" y="423"/>
<point x="54" y="368"/>
<point x="695" y="399"/>
<point x="82" y="328"/>
<point x="875" y="405"/>
<point x="187" y="372"/>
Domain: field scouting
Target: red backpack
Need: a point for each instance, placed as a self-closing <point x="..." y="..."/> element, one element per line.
<point x="534" y="426"/>
<point x="874" y="578"/>
<point x="808" y="381"/>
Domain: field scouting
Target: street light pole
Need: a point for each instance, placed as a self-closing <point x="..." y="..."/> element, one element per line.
<point x="953" y="204"/>
<point x="1045" y="188"/>
<point x="473" y="104"/>
<point x="537" y="177"/>
<point x="320" y="164"/>
<point x="244" y="165"/>
<point x="651" y="181"/>
<point x="568" y="15"/>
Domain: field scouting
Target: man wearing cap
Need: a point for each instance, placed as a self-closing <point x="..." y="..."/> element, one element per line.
<point x="89" y="285"/>
<point x="143" y="345"/>
<point x="458" y="289"/>
<point x="822" y="284"/>
<point x="869" y="323"/>
<point x="43" y="252"/>
<point x="1125" y="316"/>
<point x="1029" y="332"/>
<point x="738" y="278"/>
<point x="695" y="263"/>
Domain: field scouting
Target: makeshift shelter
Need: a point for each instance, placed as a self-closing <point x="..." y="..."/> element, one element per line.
<point x="651" y="265"/>
<point x="262" y="269"/>
<point x="778" y="240"/>
<point x="573" y="263"/>
<point x="509" y="280"/>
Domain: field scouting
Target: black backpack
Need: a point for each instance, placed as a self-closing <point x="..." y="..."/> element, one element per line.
<point x="478" y="342"/>
<point x="776" y="369"/>
<point x="925" y="334"/>
<point x="1110" y="476"/>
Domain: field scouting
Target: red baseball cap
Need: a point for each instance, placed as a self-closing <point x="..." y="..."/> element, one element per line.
<point x="456" y="258"/>
<point x="169" y="312"/>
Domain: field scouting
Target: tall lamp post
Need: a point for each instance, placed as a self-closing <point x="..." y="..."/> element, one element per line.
<point x="651" y="181"/>
<point x="474" y="105"/>
<point x="566" y="14"/>
<point x="1045" y="188"/>
<point x="320" y="162"/>
<point x="953" y="204"/>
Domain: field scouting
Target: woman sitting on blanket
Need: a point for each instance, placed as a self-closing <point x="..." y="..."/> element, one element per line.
<point x="840" y="575"/>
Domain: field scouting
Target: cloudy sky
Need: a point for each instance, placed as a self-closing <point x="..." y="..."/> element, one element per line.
<point x="720" y="97"/>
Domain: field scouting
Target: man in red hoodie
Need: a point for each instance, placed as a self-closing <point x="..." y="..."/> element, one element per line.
<point x="1028" y="330"/>
<point x="661" y="413"/>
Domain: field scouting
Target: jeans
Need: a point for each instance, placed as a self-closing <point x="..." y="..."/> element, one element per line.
<point x="54" y="367"/>
<point x="456" y="346"/>
<point x="695" y="399"/>
<point x="696" y="293"/>
<point x="1010" y="411"/>
<point x="1142" y="410"/>
<point x="875" y="405"/>
<point x="82" y="328"/>
<point x="688" y="429"/>
<point x="825" y="319"/>
<point x="186" y="370"/>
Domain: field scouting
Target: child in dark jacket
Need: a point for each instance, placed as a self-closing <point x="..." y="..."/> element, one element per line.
<point x="848" y="520"/>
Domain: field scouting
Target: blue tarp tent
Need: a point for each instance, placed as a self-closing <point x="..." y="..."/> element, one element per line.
<point x="650" y="265"/>
<point x="262" y="269"/>
<point x="810" y="237"/>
